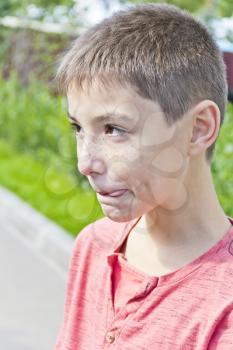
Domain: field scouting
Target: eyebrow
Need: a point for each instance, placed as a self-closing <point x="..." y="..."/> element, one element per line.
<point x="104" y="117"/>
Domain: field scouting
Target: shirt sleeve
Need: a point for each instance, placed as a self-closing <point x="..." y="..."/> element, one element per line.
<point x="222" y="338"/>
<point x="71" y="280"/>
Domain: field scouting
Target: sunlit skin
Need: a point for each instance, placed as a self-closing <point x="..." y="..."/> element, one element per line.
<point x="168" y="180"/>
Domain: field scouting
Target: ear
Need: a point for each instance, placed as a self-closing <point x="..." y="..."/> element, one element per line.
<point x="205" y="126"/>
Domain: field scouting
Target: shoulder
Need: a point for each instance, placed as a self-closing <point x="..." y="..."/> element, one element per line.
<point x="99" y="235"/>
<point x="95" y="240"/>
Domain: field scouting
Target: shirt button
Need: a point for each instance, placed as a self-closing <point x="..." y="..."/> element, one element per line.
<point x="110" y="337"/>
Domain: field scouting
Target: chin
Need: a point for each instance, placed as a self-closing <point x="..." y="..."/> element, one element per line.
<point x="114" y="216"/>
<point x="117" y="215"/>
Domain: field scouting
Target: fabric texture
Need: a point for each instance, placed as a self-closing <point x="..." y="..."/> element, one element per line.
<point x="111" y="305"/>
<point x="125" y="280"/>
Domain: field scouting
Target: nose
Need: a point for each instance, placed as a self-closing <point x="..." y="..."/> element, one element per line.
<point x="89" y="159"/>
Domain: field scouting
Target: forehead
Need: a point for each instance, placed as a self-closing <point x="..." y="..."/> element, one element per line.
<point x="114" y="98"/>
<point x="101" y="89"/>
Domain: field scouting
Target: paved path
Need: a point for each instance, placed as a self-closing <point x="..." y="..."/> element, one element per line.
<point x="34" y="257"/>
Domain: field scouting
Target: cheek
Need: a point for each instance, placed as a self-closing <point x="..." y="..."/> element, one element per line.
<point x="162" y="179"/>
<point x="155" y="133"/>
<point x="169" y="162"/>
<point x="124" y="166"/>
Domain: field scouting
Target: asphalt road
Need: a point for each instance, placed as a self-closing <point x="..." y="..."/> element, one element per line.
<point x="32" y="292"/>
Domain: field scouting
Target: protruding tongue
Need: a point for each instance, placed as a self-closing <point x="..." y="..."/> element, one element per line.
<point x="116" y="193"/>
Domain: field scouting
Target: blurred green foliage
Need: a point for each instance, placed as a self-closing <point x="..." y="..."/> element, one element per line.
<point x="225" y="8"/>
<point x="222" y="8"/>
<point x="54" y="193"/>
<point x="222" y="166"/>
<point x="38" y="155"/>
<point x="192" y="6"/>
<point x="10" y="7"/>
<point x="34" y="121"/>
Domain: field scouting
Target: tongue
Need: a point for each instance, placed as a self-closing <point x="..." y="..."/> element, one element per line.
<point x="116" y="193"/>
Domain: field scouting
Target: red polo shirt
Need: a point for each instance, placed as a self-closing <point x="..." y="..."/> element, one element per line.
<point x="112" y="305"/>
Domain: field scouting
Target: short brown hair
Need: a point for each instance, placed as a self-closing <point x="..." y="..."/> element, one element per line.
<point x="164" y="52"/>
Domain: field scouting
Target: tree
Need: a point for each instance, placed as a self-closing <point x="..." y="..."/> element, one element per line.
<point x="223" y="8"/>
<point x="192" y="6"/>
<point x="11" y="7"/>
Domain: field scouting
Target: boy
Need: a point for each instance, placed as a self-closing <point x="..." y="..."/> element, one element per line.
<point x="146" y="92"/>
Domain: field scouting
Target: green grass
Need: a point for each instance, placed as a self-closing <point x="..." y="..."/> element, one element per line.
<point x="55" y="194"/>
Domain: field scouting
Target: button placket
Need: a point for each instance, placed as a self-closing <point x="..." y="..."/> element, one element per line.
<point x="110" y="337"/>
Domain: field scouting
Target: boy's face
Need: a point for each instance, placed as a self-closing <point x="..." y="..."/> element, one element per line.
<point x="134" y="150"/>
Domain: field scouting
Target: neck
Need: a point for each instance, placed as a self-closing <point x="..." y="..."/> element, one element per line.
<point x="195" y="227"/>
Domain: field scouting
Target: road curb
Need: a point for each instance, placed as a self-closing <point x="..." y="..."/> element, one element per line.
<point x="48" y="238"/>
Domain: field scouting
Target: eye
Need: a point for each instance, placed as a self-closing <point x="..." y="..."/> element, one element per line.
<point x="110" y="128"/>
<point x="76" y="127"/>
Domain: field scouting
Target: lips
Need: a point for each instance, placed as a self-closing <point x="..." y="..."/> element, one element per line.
<point x="113" y="193"/>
